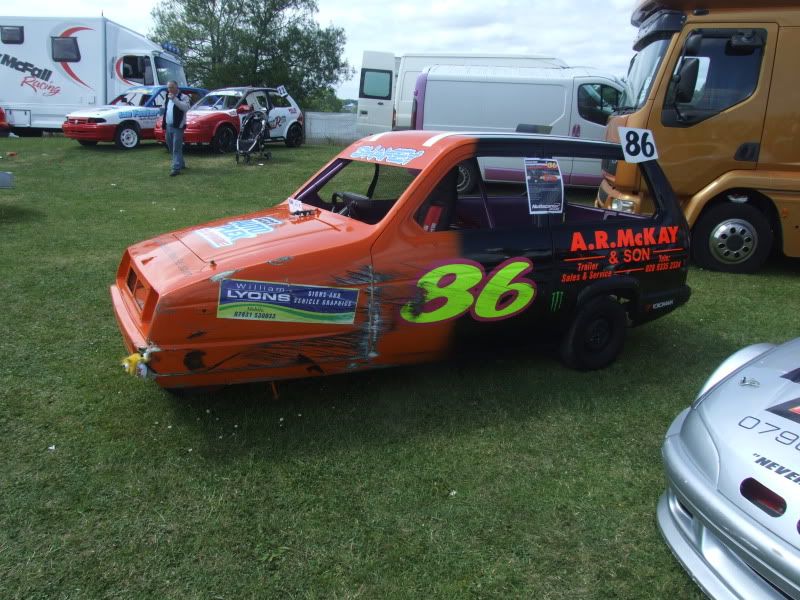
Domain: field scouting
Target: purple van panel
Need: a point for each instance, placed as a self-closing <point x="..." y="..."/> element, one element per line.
<point x="419" y="98"/>
<point x="587" y="180"/>
<point x="517" y="175"/>
<point x="498" y="174"/>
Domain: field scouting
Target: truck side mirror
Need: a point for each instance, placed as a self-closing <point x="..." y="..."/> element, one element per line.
<point x="686" y="79"/>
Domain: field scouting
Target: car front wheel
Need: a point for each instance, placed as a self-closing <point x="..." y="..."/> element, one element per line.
<point x="224" y="140"/>
<point x="127" y="137"/>
<point x="596" y="336"/>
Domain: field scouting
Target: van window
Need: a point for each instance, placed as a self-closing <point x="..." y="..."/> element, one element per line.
<point x="596" y="102"/>
<point x="12" y="35"/>
<point x="729" y="63"/>
<point x="65" y="49"/>
<point x="376" y="84"/>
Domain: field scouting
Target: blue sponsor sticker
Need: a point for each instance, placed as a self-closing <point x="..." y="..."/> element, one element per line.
<point x="393" y="156"/>
<point x="286" y="302"/>
<point x="228" y="234"/>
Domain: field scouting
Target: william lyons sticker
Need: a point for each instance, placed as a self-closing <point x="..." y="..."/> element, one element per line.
<point x="287" y="303"/>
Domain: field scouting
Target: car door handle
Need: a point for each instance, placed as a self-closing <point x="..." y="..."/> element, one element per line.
<point x="380" y="103"/>
<point x="363" y="112"/>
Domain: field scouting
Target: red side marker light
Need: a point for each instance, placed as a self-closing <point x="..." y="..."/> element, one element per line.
<point x="763" y="497"/>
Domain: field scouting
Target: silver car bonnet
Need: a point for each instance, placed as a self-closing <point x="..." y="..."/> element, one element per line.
<point x="750" y="419"/>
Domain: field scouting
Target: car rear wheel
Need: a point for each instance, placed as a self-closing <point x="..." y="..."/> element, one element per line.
<point x="223" y="140"/>
<point x="734" y="238"/>
<point x="294" y="136"/>
<point x="87" y="142"/>
<point x="467" y="178"/>
<point x="596" y="336"/>
<point x="127" y="136"/>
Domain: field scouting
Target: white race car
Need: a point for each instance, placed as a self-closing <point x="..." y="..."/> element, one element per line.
<point x="130" y="117"/>
<point x="731" y="512"/>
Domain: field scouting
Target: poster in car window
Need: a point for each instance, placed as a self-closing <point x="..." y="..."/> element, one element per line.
<point x="545" y="186"/>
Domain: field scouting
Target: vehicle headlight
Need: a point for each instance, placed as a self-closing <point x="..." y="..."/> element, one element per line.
<point x="699" y="445"/>
<point x="621" y="205"/>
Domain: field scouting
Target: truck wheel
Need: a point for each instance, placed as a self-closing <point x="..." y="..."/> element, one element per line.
<point x="223" y="140"/>
<point x="467" y="178"/>
<point x="127" y="136"/>
<point x="734" y="238"/>
<point x="294" y="136"/>
<point x="87" y="142"/>
<point x="596" y="335"/>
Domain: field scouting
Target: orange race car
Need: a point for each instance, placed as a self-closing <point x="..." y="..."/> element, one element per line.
<point x="377" y="261"/>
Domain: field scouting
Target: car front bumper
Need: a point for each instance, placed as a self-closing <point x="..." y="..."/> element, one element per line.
<point x="90" y="132"/>
<point x="728" y="554"/>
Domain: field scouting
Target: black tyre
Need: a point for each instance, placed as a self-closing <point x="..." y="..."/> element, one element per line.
<point x="596" y="336"/>
<point x="224" y="140"/>
<point x="127" y="136"/>
<point x="733" y="238"/>
<point x="467" y="178"/>
<point x="294" y="136"/>
<point x="87" y="143"/>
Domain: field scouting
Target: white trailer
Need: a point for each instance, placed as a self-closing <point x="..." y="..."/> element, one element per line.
<point x="573" y="101"/>
<point x="51" y="66"/>
<point x="386" y="87"/>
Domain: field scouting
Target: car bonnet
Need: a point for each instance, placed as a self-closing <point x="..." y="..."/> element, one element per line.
<point x="754" y="419"/>
<point x="274" y="231"/>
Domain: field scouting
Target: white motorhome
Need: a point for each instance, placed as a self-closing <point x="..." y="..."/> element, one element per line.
<point x="51" y="66"/>
<point x="386" y="87"/>
<point x="573" y="101"/>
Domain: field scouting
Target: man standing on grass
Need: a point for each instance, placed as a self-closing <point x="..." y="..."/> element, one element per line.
<point x="174" y="122"/>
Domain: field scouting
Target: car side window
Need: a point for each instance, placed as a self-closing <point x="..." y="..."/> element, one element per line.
<point x="159" y="99"/>
<point x="231" y="102"/>
<point x="596" y="102"/>
<point x="261" y="101"/>
<point x="279" y="101"/>
<point x="719" y="68"/>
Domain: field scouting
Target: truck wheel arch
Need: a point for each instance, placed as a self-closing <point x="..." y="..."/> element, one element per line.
<point x="754" y="232"/>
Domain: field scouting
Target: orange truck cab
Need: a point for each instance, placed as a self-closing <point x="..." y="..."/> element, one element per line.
<point x="716" y="83"/>
<point x="377" y="260"/>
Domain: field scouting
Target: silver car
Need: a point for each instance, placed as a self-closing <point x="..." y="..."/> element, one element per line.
<point x="731" y="511"/>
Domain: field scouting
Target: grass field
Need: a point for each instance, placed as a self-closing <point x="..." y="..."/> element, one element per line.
<point x="504" y="478"/>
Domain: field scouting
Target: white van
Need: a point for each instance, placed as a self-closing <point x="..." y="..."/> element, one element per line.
<point x="386" y="87"/>
<point x="52" y="66"/>
<point x="573" y="101"/>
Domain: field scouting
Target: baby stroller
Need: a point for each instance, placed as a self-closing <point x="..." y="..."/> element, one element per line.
<point x="253" y="136"/>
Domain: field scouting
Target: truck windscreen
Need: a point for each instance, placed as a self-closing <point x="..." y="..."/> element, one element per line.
<point x="168" y="70"/>
<point x="641" y="73"/>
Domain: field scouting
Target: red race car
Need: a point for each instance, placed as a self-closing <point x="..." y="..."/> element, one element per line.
<point x="378" y="261"/>
<point x="216" y="118"/>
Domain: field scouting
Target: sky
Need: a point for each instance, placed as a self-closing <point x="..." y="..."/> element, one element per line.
<point x="594" y="33"/>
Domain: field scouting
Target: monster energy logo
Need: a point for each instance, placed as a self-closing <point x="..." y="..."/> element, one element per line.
<point x="556" y="300"/>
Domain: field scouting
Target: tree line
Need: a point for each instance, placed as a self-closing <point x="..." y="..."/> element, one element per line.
<point x="257" y="42"/>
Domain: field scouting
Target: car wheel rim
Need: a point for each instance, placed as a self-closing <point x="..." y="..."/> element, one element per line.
<point x="227" y="139"/>
<point x="733" y="241"/>
<point x="294" y="135"/>
<point x="464" y="179"/>
<point x="128" y="138"/>
<point x="598" y="335"/>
